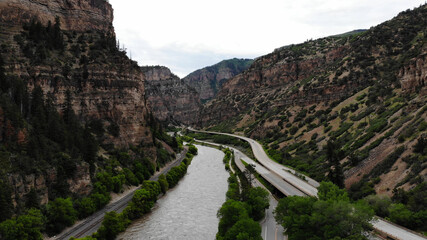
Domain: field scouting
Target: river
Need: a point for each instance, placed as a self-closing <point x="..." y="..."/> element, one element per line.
<point x="187" y="211"/>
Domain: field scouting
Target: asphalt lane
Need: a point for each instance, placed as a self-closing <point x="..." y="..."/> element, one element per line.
<point x="392" y="230"/>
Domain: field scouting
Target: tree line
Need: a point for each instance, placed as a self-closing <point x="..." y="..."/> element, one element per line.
<point x="244" y="206"/>
<point x="143" y="200"/>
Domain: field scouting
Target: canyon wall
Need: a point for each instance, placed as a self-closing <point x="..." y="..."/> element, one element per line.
<point x="75" y="15"/>
<point x="170" y="98"/>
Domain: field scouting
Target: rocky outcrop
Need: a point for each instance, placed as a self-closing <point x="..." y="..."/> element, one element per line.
<point x="169" y="97"/>
<point x="80" y="184"/>
<point x="413" y="77"/>
<point x="76" y="15"/>
<point x="279" y="75"/>
<point x="327" y="69"/>
<point x="208" y="81"/>
<point x="103" y="83"/>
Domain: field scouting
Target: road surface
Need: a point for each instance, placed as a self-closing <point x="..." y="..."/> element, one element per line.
<point x="92" y="223"/>
<point x="392" y="230"/>
<point x="395" y="231"/>
<point x="270" y="229"/>
<point x="308" y="187"/>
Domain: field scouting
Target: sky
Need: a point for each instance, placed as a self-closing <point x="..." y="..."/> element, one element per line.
<point x="186" y="35"/>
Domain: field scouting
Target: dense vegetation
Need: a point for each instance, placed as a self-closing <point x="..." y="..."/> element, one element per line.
<point x="143" y="200"/>
<point x="331" y="216"/>
<point x="346" y="115"/>
<point x="39" y="138"/>
<point x="245" y="205"/>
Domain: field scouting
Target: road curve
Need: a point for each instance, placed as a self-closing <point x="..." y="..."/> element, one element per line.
<point x="391" y="230"/>
<point x="92" y="223"/>
<point x="309" y="187"/>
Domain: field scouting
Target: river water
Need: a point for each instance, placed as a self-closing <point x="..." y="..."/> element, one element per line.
<point x="187" y="211"/>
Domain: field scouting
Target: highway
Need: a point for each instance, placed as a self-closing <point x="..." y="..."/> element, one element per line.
<point x="395" y="231"/>
<point x="392" y="231"/>
<point x="270" y="229"/>
<point x="91" y="224"/>
<point x="309" y="187"/>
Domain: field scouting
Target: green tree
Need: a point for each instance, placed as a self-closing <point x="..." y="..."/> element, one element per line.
<point x="118" y="182"/>
<point x="164" y="185"/>
<point x="60" y="214"/>
<point x="293" y="213"/>
<point x="329" y="217"/>
<point x="27" y="226"/>
<point x="258" y="201"/>
<point x="111" y="226"/>
<point x="32" y="199"/>
<point x="329" y="191"/>
<point x="6" y="206"/>
<point x="244" y="229"/>
<point x="400" y="214"/>
<point x="192" y="149"/>
<point x="380" y="204"/>
<point x="153" y="188"/>
<point x="141" y="203"/>
<point x="230" y="213"/>
<point x="85" y="207"/>
<point x="335" y="174"/>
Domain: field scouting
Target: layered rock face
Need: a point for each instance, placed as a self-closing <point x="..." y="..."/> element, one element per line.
<point x="104" y="84"/>
<point x="279" y="75"/>
<point x="414" y="76"/>
<point x="78" y="15"/>
<point x="84" y="68"/>
<point x="169" y="97"/>
<point x="208" y="81"/>
<point x="363" y="91"/>
<point x="80" y="183"/>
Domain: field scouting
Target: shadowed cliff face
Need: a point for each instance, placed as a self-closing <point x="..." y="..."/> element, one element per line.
<point x="209" y="80"/>
<point x="78" y="15"/>
<point x="76" y="63"/>
<point x="169" y="97"/>
<point x="103" y="83"/>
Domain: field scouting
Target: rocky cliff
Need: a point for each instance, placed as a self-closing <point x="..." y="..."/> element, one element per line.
<point x="364" y="92"/>
<point x="209" y="80"/>
<point x="103" y="82"/>
<point x="75" y="61"/>
<point x="170" y="98"/>
<point x="77" y="15"/>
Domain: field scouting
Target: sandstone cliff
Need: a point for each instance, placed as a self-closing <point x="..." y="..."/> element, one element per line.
<point x="76" y="62"/>
<point x="209" y="80"/>
<point x="364" y="91"/>
<point x="78" y="15"/>
<point x="169" y="97"/>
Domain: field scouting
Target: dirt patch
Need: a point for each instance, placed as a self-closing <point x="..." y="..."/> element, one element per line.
<point x="245" y="121"/>
<point x="349" y="100"/>
<point x="389" y="180"/>
<point x="376" y="156"/>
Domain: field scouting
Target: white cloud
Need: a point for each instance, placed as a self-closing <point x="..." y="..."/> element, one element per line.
<point x="187" y="35"/>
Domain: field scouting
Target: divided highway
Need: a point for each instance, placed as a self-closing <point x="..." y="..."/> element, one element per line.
<point x="392" y="231"/>
<point x="270" y="229"/>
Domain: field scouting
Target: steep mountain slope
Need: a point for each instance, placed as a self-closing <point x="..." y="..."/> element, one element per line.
<point x="361" y="95"/>
<point x="169" y="97"/>
<point x="209" y="80"/>
<point x="74" y="120"/>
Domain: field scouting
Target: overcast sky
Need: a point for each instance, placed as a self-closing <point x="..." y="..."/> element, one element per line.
<point x="186" y="35"/>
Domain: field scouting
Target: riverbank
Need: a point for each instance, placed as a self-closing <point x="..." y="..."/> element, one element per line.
<point x="89" y="225"/>
<point x="185" y="213"/>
